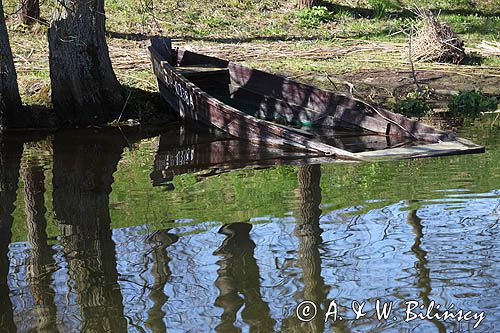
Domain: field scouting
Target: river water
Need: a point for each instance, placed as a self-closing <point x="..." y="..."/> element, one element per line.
<point x="125" y="230"/>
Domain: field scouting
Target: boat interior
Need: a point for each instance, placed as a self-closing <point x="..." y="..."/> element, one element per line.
<point x="344" y="123"/>
<point x="331" y="118"/>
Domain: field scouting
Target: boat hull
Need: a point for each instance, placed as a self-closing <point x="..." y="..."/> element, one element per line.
<point x="180" y="88"/>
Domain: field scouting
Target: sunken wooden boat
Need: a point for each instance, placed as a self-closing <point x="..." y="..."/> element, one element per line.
<point x="182" y="149"/>
<point x="269" y="109"/>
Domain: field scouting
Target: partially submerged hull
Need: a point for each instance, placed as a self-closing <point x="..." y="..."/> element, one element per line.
<point x="183" y="150"/>
<point x="268" y="109"/>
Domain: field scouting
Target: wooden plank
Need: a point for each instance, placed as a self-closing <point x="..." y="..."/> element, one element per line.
<point x="230" y="119"/>
<point x="188" y="58"/>
<point x="194" y="71"/>
<point x="427" y="150"/>
<point x="299" y="115"/>
<point x="163" y="46"/>
<point x="330" y="103"/>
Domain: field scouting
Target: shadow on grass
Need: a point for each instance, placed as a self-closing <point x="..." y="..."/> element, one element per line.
<point x="484" y="27"/>
<point x="360" y="12"/>
<point x="472" y="59"/>
<point x="222" y="40"/>
<point x="146" y="107"/>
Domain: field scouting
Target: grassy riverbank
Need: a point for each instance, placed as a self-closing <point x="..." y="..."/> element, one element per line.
<point x="359" y="46"/>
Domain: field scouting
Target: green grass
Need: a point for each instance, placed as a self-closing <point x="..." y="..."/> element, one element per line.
<point x="219" y="21"/>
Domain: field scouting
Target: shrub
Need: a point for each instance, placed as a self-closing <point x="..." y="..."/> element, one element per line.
<point x="314" y="16"/>
<point x="412" y="106"/>
<point x="471" y="103"/>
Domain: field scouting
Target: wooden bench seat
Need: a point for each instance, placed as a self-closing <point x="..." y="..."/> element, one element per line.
<point x="195" y="71"/>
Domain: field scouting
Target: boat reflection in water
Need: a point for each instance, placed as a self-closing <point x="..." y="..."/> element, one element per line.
<point x="190" y="149"/>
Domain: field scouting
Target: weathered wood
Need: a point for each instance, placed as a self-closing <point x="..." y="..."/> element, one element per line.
<point x="426" y="150"/>
<point x="328" y="103"/>
<point x="84" y="87"/>
<point x="198" y="105"/>
<point x="193" y="71"/>
<point x="233" y="108"/>
<point x="299" y="115"/>
<point x="164" y="47"/>
<point x="188" y="58"/>
<point x="10" y="101"/>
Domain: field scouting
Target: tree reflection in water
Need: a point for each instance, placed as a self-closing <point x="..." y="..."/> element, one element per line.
<point x="41" y="263"/>
<point x="83" y="175"/>
<point x="160" y="272"/>
<point x="308" y="232"/>
<point x="421" y="266"/>
<point x="238" y="281"/>
<point x="10" y="159"/>
<point x="78" y="284"/>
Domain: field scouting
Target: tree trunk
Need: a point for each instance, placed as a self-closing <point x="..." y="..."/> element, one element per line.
<point x="29" y="11"/>
<point x="303" y="4"/>
<point x="85" y="90"/>
<point x="10" y="102"/>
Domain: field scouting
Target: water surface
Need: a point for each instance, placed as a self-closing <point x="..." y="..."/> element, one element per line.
<point x="124" y="230"/>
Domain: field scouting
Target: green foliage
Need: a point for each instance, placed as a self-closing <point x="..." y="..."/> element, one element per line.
<point x="471" y="103"/>
<point x="380" y="7"/>
<point x="413" y="105"/>
<point x="314" y="16"/>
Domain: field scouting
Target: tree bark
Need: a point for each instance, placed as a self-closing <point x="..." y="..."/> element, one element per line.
<point x="29" y="11"/>
<point x="10" y="102"/>
<point x="85" y="90"/>
<point x="303" y="4"/>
